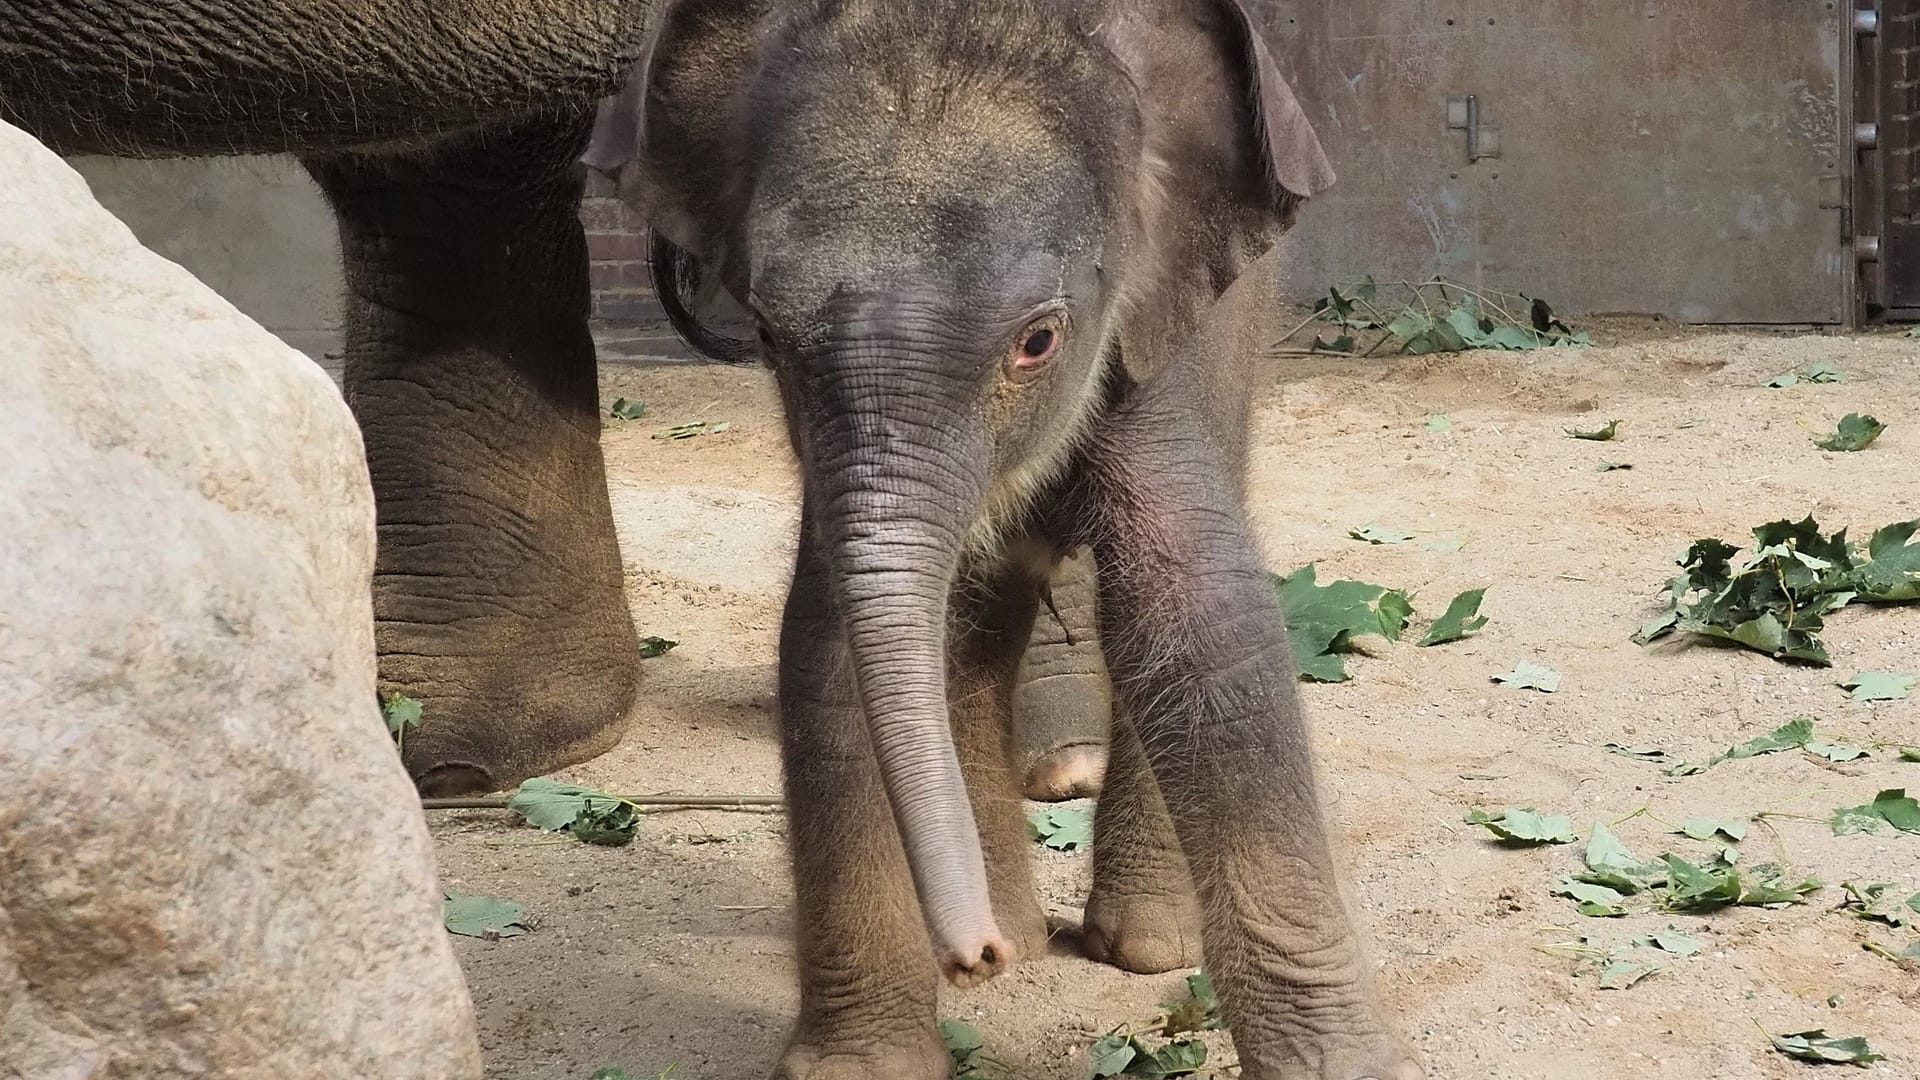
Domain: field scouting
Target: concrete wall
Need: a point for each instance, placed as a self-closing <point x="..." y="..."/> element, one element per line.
<point x="253" y="228"/>
<point x="257" y="230"/>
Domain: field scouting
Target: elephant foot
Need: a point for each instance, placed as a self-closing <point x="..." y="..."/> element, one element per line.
<point x="1346" y="1056"/>
<point x="1144" y="934"/>
<point x="1067" y="772"/>
<point x="920" y="1057"/>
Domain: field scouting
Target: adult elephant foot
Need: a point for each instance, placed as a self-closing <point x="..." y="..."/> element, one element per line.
<point x="497" y="591"/>
<point x="921" y="1056"/>
<point x="1062" y="704"/>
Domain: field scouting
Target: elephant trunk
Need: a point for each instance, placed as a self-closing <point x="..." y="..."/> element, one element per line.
<point x="902" y="475"/>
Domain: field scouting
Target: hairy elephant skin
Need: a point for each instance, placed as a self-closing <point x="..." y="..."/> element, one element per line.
<point x="1011" y="263"/>
<point x="445" y="136"/>
<point x="211" y="865"/>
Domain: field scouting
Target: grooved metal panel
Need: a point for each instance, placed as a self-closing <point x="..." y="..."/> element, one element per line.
<point x="1890" y="180"/>
<point x="1664" y="157"/>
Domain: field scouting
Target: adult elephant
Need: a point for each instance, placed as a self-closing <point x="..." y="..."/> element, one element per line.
<point x="445" y="134"/>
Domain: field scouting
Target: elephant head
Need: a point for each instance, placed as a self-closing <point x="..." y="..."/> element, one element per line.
<point x="943" y="218"/>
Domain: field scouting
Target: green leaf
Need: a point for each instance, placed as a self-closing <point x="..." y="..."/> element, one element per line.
<point x="651" y="647"/>
<point x="1671" y="941"/>
<point x="610" y="1072"/>
<point x="1621" y="974"/>
<point x="1181" y="1057"/>
<point x="1691" y="887"/>
<point x="624" y="409"/>
<point x="1879" y="685"/>
<point x="1792" y="735"/>
<point x="1439" y="422"/>
<point x="590" y="815"/>
<point x="401" y="713"/>
<point x="1609" y="863"/>
<point x="1910" y="753"/>
<point x="486" y="917"/>
<point x="1599" y="434"/>
<point x="1323" y="620"/>
<point x="1592" y="900"/>
<point x="1111" y="1055"/>
<point x="1817" y="372"/>
<point x="1892" y="806"/>
<point x="1528" y="676"/>
<point x="1817" y="1045"/>
<point x="1892" y="572"/>
<point x="1461" y="619"/>
<point x="1880" y="902"/>
<point x="1856" y="432"/>
<point x="1708" y="828"/>
<point x="963" y="1043"/>
<point x="1342" y="344"/>
<point x="1374" y="534"/>
<point x="1525" y="828"/>
<point x="1835" y="752"/>
<point x="1062" y="828"/>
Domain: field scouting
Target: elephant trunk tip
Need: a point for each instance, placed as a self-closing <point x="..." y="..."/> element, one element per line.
<point x="970" y="958"/>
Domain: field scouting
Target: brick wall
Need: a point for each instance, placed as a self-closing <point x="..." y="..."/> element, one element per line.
<point x="617" y="246"/>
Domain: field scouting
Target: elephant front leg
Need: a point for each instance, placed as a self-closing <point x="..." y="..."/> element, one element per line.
<point x="1061" y="702"/>
<point x="867" y="977"/>
<point x="1141" y="913"/>
<point x="498" y="588"/>
<point x="1199" y="658"/>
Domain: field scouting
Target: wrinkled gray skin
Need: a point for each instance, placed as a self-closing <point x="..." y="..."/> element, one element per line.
<point x="450" y="156"/>
<point x="1010" y="261"/>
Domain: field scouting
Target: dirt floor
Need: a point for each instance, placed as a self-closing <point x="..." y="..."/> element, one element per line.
<point x="675" y="950"/>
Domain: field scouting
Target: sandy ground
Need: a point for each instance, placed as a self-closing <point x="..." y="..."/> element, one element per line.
<point x="675" y="950"/>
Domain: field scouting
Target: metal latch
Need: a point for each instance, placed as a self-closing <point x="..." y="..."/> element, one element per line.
<point x="1483" y="140"/>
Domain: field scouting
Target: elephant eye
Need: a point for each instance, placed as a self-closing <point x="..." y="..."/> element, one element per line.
<point x="1035" y="349"/>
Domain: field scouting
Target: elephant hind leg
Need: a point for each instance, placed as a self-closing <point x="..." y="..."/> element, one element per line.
<point x="1062" y="703"/>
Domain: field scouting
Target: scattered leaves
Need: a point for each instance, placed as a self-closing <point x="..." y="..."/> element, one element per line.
<point x="1374" y="534"/>
<point x="698" y="427"/>
<point x="1856" y="432"/>
<point x="1323" y="620"/>
<point x="1122" y="1054"/>
<point x="487" y="917"/>
<point x="1461" y="619"/>
<point x="1834" y="752"/>
<point x="1593" y="900"/>
<point x="1891" y="807"/>
<point x="1599" y="434"/>
<point x="402" y="715"/>
<point x="1199" y="1012"/>
<point x="1439" y="422"/>
<point x="626" y="409"/>
<point x="1774" y="598"/>
<point x="1817" y="1045"/>
<point x="1791" y="735"/>
<point x="1611" y="865"/>
<point x="1529" y="676"/>
<point x="651" y="647"/>
<point x="1524" y="827"/>
<point x="1444" y="316"/>
<point x="1879" y="685"/>
<point x="1062" y="828"/>
<point x="1816" y="372"/>
<point x="1691" y="887"/>
<point x="591" y="816"/>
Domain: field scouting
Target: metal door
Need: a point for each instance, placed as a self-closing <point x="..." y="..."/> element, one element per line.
<point x="1688" y="158"/>
<point x="1887" y="137"/>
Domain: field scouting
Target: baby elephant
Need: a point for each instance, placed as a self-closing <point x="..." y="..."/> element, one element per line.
<point x="1011" y="262"/>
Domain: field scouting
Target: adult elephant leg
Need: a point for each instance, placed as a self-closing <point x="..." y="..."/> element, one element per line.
<point x="867" y="976"/>
<point x="1062" y="704"/>
<point x="497" y="590"/>
<point x="1200" y="664"/>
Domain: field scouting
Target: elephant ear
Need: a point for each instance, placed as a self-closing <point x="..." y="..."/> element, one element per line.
<point x="670" y="137"/>
<point x="1269" y="147"/>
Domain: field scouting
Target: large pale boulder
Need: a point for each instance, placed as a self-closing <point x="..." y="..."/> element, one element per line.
<point x="211" y="862"/>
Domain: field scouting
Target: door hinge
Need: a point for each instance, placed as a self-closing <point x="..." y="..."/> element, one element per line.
<point x="1483" y="139"/>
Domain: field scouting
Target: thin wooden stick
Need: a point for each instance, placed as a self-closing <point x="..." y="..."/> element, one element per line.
<point x="637" y="800"/>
